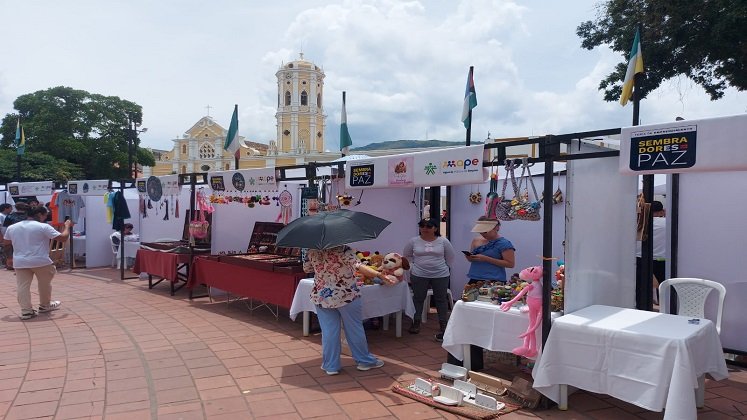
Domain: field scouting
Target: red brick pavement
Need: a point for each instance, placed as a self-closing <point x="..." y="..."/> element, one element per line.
<point x="117" y="350"/>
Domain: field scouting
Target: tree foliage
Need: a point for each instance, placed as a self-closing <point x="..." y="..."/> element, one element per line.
<point x="705" y="40"/>
<point x="88" y="131"/>
<point x="36" y="166"/>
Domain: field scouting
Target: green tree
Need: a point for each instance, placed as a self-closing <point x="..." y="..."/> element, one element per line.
<point x="705" y="40"/>
<point x="36" y="166"/>
<point x="87" y="130"/>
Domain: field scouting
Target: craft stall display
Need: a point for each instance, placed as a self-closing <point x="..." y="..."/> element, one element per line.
<point x="172" y="260"/>
<point x="266" y="273"/>
<point x="377" y="300"/>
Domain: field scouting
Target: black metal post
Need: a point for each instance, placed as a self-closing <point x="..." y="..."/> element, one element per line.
<point x="549" y="150"/>
<point x="18" y="167"/>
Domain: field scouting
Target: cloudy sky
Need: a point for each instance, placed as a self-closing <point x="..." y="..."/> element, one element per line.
<point x="403" y="64"/>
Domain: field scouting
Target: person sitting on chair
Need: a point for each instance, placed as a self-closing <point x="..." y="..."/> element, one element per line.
<point x="129" y="236"/>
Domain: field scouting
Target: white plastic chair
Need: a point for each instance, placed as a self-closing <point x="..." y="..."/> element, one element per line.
<point x="427" y="304"/>
<point x="691" y="298"/>
<point x="115" y="241"/>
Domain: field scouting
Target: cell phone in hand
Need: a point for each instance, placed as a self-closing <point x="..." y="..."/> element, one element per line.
<point x="467" y="253"/>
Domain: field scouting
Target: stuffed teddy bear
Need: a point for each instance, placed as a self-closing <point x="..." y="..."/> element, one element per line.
<point x="376" y="260"/>
<point x="533" y="290"/>
<point x="393" y="268"/>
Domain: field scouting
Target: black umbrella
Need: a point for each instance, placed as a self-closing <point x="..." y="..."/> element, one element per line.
<point x="330" y="228"/>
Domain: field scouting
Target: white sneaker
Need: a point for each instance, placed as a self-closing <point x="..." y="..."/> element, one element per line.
<point x="379" y="363"/>
<point x="28" y="315"/>
<point x="331" y="372"/>
<point x="53" y="306"/>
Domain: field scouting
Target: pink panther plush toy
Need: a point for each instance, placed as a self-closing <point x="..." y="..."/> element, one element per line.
<point x="533" y="290"/>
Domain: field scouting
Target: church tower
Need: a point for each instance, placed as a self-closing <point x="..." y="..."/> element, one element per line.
<point x="300" y="116"/>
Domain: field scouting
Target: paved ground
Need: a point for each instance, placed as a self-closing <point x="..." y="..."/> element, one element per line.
<point x="117" y="350"/>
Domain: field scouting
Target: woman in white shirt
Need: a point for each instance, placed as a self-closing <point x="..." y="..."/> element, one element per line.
<point x="430" y="257"/>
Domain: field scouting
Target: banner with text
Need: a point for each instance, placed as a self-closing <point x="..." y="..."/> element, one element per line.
<point x="243" y="180"/>
<point x="89" y="187"/>
<point x="31" y="188"/>
<point x="707" y="145"/>
<point x="453" y="166"/>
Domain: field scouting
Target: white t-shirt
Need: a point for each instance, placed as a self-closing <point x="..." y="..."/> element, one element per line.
<point x="660" y="238"/>
<point x="31" y="243"/>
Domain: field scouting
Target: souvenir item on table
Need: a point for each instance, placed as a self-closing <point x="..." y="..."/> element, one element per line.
<point x="522" y="207"/>
<point x="533" y="290"/>
<point x="387" y="270"/>
<point x="557" y="295"/>
<point x="393" y="268"/>
<point x="263" y="254"/>
<point x="471" y="291"/>
<point x="344" y="199"/>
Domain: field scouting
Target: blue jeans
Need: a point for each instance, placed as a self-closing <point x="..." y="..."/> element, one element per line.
<point x="329" y="320"/>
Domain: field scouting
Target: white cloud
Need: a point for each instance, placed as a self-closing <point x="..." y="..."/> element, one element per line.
<point x="403" y="64"/>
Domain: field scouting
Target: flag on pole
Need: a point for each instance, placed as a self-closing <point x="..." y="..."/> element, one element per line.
<point x="635" y="66"/>
<point x="20" y="140"/>
<point x="22" y="146"/>
<point x="345" y="140"/>
<point x="470" y="100"/>
<point x="232" y="138"/>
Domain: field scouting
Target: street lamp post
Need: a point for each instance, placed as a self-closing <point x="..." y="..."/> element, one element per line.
<point x="132" y="132"/>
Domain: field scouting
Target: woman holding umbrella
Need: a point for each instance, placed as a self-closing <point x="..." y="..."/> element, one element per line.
<point x="335" y="295"/>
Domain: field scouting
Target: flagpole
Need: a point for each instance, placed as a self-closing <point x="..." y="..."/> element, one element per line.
<point x="645" y="290"/>
<point x="468" y="138"/>
<point x="342" y="152"/>
<point x="18" y="167"/>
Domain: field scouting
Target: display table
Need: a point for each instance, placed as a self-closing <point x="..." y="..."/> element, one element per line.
<point x="130" y="249"/>
<point x="269" y="287"/>
<point x="376" y="301"/>
<point x="649" y="359"/>
<point x="79" y="245"/>
<point x="166" y="265"/>
<point x="483" y="324"/>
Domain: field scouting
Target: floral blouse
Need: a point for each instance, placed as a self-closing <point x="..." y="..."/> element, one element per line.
<point x="334" y="280"/>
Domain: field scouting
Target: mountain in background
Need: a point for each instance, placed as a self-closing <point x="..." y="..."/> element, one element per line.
<point x="409" y="144"/>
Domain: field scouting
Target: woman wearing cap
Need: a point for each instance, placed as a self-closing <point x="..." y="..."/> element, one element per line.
<point x="430" y="256"/>
<point x="491" y="254"/>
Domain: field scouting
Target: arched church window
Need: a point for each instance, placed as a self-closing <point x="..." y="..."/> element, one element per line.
<point x="287" y="98"/>
<point x="207" y="151"/>
<point x="184" y="169"/>
<point x="319" y="100"/>
<point x="304" y="98"/>
<point x="184" y="149"/>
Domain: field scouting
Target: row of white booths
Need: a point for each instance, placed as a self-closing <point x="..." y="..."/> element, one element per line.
<point x="593" y="230"/>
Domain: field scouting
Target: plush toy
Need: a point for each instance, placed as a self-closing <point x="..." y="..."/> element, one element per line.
<point x="376" y="260"/>
<point x="533" y="290"/>
<point x="393" y="268"/>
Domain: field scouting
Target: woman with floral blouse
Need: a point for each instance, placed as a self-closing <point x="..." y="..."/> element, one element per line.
<point x="335" y="295"/>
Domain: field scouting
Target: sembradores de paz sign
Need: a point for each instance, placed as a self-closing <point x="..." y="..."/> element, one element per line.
<point x="663" y="148"/>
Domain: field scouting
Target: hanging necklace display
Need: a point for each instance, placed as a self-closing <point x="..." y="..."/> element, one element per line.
<point x="475" y="197"/>
<point x="285" y="199"/>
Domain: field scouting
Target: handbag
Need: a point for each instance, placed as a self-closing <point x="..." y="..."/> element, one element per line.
<point x="499" y="206"/>
<point x="198" y="226"/>
<point x="522" y="208"/>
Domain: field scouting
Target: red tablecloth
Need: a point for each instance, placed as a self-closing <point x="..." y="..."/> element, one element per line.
<point x="267" y="286"/>
<point x="161" y="264"/>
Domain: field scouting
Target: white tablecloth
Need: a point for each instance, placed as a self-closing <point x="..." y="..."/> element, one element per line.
<point x="376" y="300"/>
<point x="484" y="324"/>
<point x="649" y="359"/>
<point x="79" y="245"/>
<point x="130" y="249"/>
